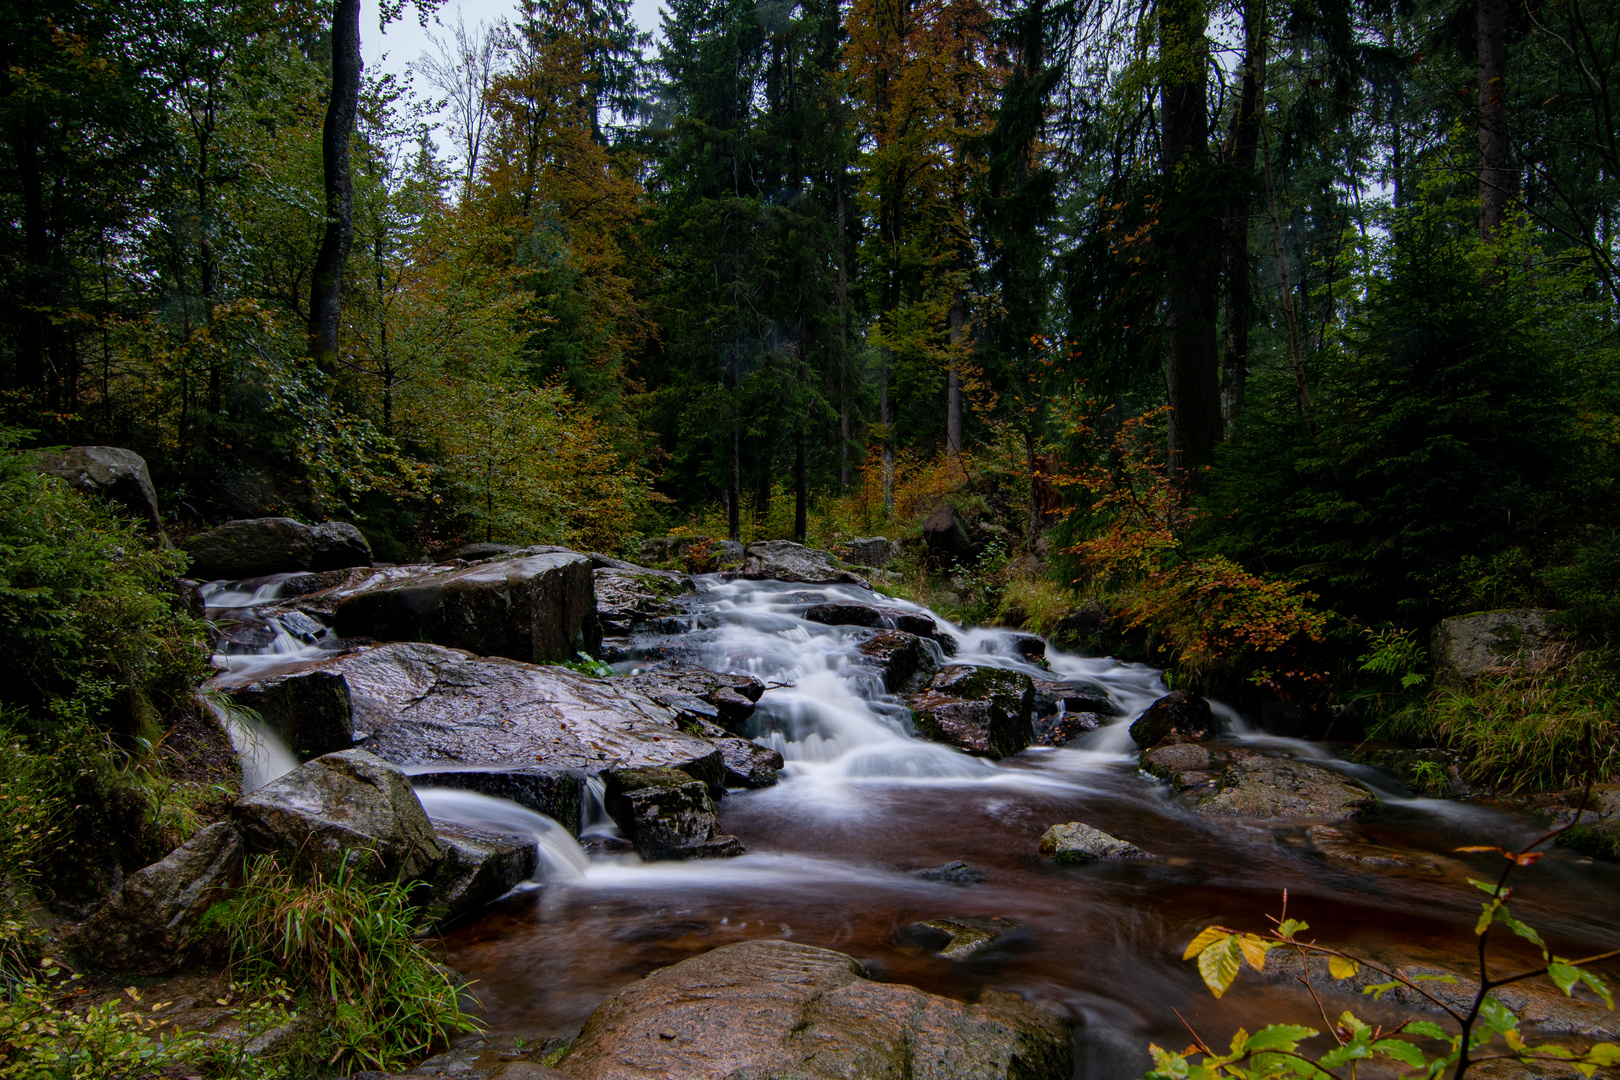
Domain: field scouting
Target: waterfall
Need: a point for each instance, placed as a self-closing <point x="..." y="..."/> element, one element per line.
<point x="561" y="857"/>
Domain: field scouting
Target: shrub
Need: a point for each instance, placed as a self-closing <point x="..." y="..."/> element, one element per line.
<point x="347" y="951"/>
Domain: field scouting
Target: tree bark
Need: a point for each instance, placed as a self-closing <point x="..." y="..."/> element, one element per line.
<point x="327" y="280"/>
<point x="1496" y="181"/>
<point x="1242" y="144"/>
<point x="1192" y="241"/>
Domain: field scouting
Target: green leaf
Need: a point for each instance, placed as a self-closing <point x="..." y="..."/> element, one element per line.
<point x="1427" y="1028"/>
<point x="1563" y="976"/>
<point x="1339" y="1055"/>
<point x="1401" y="1050"/>
<point x="1435" y="978"/>
<point x="1219" y="965"/>
<point x="1378" y="990"/>
<point x="1526" y="932"/>
<point x="1598" y="987"/>
<point x="1289" y="927"/>
<point x="1497" y="1016"/>
<point x="1279" y="1037"/>
<point x="1488" y="888"/>
<point x="1604" y="1054"/>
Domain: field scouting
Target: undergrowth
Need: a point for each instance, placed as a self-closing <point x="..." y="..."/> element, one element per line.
<point x="1520" y="729"/>
<point x="347" y="952"/>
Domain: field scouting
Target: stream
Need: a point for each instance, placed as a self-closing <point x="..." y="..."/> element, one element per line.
<point x="862" y="805"/>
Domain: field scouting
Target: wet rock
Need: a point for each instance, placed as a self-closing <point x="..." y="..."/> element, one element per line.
<point x="945" y="536"/>
<point x="1077" y="842"/>
<point x="960" y="938"/>
<point x="114" y="473"/>
<point x="351" y="802"/>
<point x="873" y="551"/>
<point x="697" y="695"/>
<point x="1030" y="648"/>
<point x="425" y="705"/>
<point x="667" y="815"/>
<point x="778" y="1009"/>
<point x="1165" y="762"/>
<point x="783" y="560"/>
<point x="913" y="622"/>
<point x="983" y="710"/>
<point x="748" y="764"/>
<point x="1468" y="646"/>
<point x="1274" y="788"/>
<point x="1059" y="729"/>
<point x="1177" y="715"/>
<point x="1347" y="849"/>
<point x="1052" y="695"/>
<point x="639" y="601"/>
<point x="843" y="613"/>
<point x="956" y="872"/>
<point x="310" y="710"/>
<point x="251" y="547"/>
<point x="149" y="926"/>
<point x="338" y="546"/>
<point x="539" y="607"/>
<point x="554" y="792"/>
<point x="478" y="866"/>
<point x="902" y="658"/>
<point x="1598" y="830"/>
<point x="475" y="552"/>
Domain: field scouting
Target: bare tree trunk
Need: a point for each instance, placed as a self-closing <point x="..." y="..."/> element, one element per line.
<point x="843" y="354"/>
<point x="1243" y="142"/>
<point x="327" y="281"/>
<point x="1287" y="296"/>
<point x="1192" y="244"/>
<point x="801" y="493"/>
<point x="1496" y="181"/>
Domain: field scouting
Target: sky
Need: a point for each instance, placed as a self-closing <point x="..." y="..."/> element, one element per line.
<point x="404" y="40"/>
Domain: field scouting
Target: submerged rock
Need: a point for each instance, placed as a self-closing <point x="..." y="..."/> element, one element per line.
<point x="539" y="607"/>
<point x="1274" y="788"/>
<point x="983" y="710"/>
<point x="149" y="926"/>
<point x="1338" y="846"/>
<point x="955" y="872"/>
<point x="349" y="806"/>
<point x="667" y="815"/>
<point x="960" y="938"/>
<point x="114" y="473"/>
<point x="1077" y="842"/>
<point x="1468" y="646"/>
<point x="251" y="547"/>
<point x="1059" y="729"/>
<point x="783" y="560"/>
<point x="1178" y="715"/>
<point x="762" y="1009"/>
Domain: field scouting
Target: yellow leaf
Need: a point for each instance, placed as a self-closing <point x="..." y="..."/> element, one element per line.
<point x="1219" y="965"/>
<point x="1254" y="951"/>
<point x="1342" y="967"/>
<point x="1206" y="937"/>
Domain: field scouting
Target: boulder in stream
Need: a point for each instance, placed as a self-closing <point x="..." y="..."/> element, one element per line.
<point x="114" y="473"/>
<point x="955" y="872"/>
<point x="1077" y="842"/>
<point x="478" y="866"/>
<point x="338" y="546"/>
<point x="1268" y="788"/>
<point x="308" y="709"/>
<point x="638" y="600"/>
<point x="329" y="810"/>
<point x="554" y="792"/>
<point x="902" y="658"/>
<point x="539" y="607"/>
<point x="1179" y="715"/>
<point x="251" y="547"/>
<point x="780" y="1009"/>
<point x="749" y="764"/>
<point x="960" y="938"/>
<point x="149" y="926"/>
<point x="667" y="815"/>
<point x="983" y="710"/>
<point x="783" y="560"/>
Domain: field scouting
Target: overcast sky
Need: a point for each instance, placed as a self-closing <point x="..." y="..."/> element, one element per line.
<point x="405" y="40"/>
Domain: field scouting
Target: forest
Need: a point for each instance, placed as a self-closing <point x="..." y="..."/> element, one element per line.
<point x="1256" y="347"/>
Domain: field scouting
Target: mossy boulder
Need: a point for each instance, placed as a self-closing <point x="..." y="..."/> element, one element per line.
<point x="667" y="815"/>
<point x="985" y="711"/>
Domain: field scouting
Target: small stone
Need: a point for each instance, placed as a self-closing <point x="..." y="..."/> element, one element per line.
<point x="956" y="872"/>
<point x="960" y="938"/>
<point x="1077" y="842"/>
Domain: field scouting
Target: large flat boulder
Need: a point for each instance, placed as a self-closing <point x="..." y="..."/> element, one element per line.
<point x="667" y="815"/>
<point x="350" y="806"/>
<point x="783" y="560"/>
<point x="114" y="473"/>
<point x="1269" y="788"/>
<point x="426" y="705"/>
<point x="1468" y="646"/>
<point x="150" y="924"/>
<point x="761" y="1009"/>
<point x="538" y="607"/>
<point x="983" y="710"/>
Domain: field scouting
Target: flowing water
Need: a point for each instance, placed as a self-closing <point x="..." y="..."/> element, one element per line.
<point x="863" y="804"/>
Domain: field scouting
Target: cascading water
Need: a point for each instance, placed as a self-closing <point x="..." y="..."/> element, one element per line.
<point x="863" y="805"/>
<point x="561" y="857"/>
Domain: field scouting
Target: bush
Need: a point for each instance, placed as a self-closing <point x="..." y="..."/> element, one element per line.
<point x="347" y="951"/>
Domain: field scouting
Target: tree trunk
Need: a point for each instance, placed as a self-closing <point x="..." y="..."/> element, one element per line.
<point x="34" y="338"/>
<point x="327" y="280"/>
<point x="1496" y="184"/>
<point x="888" y="440"/>
<point x="843" y="351"/>
<point x="1243" y="143"/>
<point x="1192" y="243"/>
